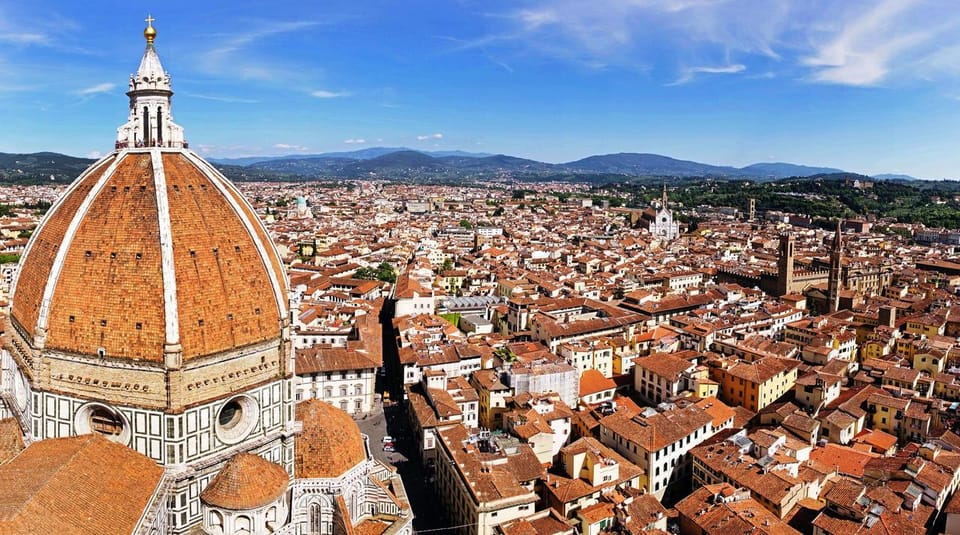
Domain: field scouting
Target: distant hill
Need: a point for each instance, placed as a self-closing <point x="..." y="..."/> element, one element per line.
<point x="780" y="169"/>
<point x="407" y="164"/>
<point x="360" y="154"/>
<point x="39" y="167"/>
<point x="893" y="176"/>
<point x="647" y="164"/>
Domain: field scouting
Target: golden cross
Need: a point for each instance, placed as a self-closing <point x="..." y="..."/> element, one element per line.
<point x="149" y="20"/>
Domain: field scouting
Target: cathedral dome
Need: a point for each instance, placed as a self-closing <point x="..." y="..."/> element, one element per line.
<point x="149" y="249"/>
<point x="151" y="282"/>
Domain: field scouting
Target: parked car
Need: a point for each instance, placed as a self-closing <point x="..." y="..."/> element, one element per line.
<point x="388" y="447"/>
<point x="387" y="438"/>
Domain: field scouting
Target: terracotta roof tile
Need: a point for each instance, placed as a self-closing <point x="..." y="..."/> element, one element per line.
<point x="11" y="439"/>
<point x="83" y="485"/>
<point x="245" y="482"/>
<point x="330" y="443"/>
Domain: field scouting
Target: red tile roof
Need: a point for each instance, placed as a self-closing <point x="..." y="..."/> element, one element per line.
<point x="83" y="485"/>
<point x="246" y="482"/>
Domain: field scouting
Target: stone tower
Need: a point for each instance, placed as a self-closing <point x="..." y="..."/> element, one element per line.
<point x="785" y="264"/>
<point x="836" y="261"/>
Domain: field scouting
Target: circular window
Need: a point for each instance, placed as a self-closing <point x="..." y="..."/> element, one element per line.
<point x="236" y="419"/>
<point x="230" y="414"/>
<point x="96" y="418"/>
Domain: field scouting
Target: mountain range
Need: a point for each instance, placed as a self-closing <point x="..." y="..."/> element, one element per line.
<point x="404" y="163"/>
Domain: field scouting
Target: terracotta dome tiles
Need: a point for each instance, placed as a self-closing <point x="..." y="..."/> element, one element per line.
<point x="43" y="248"/>
<point x="223" y="288"/>
<point x="111" y="281"/>
<point x="109" y="295"/>
<point x="246" y="482"/>
<point x="330" y="443"/>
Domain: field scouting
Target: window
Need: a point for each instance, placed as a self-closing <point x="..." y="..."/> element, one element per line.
<point x="105" y="422"/>
<point x="230" y="415"/>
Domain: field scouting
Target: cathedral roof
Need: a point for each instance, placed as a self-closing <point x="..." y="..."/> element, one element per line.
<point x="246" y="482"/>
<point x="150" y="249"/>
<point x="80" y="485"/>
<point x="330" y="443"/>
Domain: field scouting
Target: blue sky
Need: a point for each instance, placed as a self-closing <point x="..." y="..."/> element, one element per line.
<point x="865" y="86"/>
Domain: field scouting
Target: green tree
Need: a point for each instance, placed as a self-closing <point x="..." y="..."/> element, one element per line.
<point x="365" y="273"/>
<point x="386" y="272"/>
<point x="498" y="212"/>
<point x="447" y="265"/>
<point x="465" y="223"/>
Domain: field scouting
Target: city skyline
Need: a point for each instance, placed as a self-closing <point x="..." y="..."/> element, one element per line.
<point x="866" y="87"/>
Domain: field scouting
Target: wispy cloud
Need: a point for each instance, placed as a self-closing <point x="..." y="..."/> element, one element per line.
<point x="287" y="146"/>
<point x="323" y="93"/>
<point x="232" y="54"/>
<point x="24" y="38"/>
<point x="219" y="98"/>
<point x="860" y="53"/>
<point x="430" y="136"/>
<point x="98" y="89"/>
<point x="856" y="42"/>
<point x="691" y="72"/>
<point x="353" y="141"/>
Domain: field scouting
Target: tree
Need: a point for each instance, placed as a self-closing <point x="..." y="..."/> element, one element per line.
<point x="386" y="273"/>
<point x="498" y="212"/>
<point x="465" y="223"/>
<point x="365" y="273"/>
<point x="447" y="265"/>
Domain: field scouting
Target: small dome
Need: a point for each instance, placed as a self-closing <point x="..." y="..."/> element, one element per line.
<point x="246" y="482"/>
<point x="330" y="443"/>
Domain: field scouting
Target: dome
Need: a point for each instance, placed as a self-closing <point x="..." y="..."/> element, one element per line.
<point x="149" y="251"/>
<point x="330" y="443"/>
<point x="246" y="482"/>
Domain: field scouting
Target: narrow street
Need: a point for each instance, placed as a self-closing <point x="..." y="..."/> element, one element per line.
<point x="389" y="419"/>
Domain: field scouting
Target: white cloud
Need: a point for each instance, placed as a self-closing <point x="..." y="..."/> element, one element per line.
<point x="861" y="52"/>
<point x="287" y="146"/>
<point x="235" y="54"/>
<point x="430" y="136"/>
<point x="24" y="38"/>
<point x="94" y="154"/>
<point x="353" y="141"/>
<point x="96" y="89"/>
<point x="218" y="98"/>
<point x="855" y="42"/>
<point x="322" y="93"/>
<point x="691" y="72"/>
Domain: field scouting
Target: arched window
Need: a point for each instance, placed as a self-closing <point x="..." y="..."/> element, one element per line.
<point x="328" y="392"/>
<point x="343" y="390"/>
<point x="215" y="522"/>
<point x="316" y="519"/>
<point x="358" y="390"/>
<point x="243" y="526"/>
<point x="343" y="404"/>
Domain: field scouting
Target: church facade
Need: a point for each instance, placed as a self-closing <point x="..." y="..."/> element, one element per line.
<point x="151" y="313"/>
<point x="659" y="221"/>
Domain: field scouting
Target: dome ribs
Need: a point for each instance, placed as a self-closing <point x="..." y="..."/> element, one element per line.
<point x="110" y="291"/>
<point x="202" y="220"/>
<point x="42" y="250"/>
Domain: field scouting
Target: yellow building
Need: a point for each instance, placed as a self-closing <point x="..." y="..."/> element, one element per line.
<point x="492" y="394"/>
<point x="925" y="324"/>
<point x="754" y="385"/>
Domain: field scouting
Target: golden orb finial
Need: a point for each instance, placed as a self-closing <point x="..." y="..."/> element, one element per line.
<point x="150" y="33"/>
